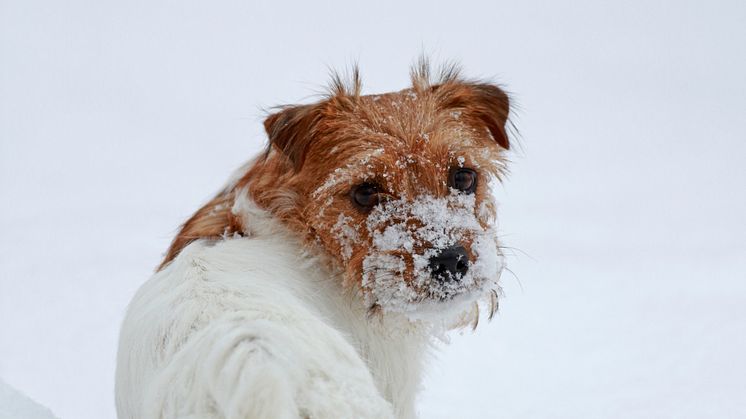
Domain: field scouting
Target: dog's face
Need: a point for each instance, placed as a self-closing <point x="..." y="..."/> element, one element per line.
<point x="395" y="189"/>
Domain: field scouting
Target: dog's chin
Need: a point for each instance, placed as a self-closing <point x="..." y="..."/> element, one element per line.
<point x="451" y="308"/>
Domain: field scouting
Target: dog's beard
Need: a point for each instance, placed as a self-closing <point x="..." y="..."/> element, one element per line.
<point x="415" y="231"/>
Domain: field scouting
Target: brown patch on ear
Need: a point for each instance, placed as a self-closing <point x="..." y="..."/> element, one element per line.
<point x="486" y="103"/>
<point x="214" y="220"/>
<point x="292" y="129"/>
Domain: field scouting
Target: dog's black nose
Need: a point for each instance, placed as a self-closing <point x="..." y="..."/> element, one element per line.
<point x="450" y="265"/>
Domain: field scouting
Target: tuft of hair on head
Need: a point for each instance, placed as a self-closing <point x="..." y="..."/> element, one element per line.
<point x="348" y="84"/>
<point x="291" y="128"/>
<point x="481" y="99"/>
<point x="422" y="78"/>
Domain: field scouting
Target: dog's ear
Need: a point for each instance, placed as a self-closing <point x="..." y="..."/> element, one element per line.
<point x="291" y="130"/>
<point x="486" y="104"/>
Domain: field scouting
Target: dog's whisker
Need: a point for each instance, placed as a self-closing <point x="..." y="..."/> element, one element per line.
<point x="494" y="304"/>
<point x="513" y="274"/>
<point x="475" y="316"/>
<point x="515" y="249"/>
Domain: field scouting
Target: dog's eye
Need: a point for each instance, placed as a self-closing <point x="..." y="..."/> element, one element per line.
<point x="464" y="180"/>
<point x="366" y="196"/>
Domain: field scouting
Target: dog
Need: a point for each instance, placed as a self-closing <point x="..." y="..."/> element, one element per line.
<point x="315" y="284"/>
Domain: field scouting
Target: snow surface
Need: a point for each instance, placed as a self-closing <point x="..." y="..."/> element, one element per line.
<point x="16" y="405"/>
<point x="625" y="206"/>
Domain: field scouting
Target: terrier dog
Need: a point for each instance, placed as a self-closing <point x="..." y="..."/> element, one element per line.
<point x="314" y="284"/>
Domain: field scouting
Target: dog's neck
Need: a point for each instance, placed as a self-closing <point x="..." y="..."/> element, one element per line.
<point x="393" y="347"/>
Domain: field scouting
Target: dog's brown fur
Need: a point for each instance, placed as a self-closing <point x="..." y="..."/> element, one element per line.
<point x="406" y="142"/>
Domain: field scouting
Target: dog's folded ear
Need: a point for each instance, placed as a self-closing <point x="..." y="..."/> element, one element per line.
<point x="291" y="130"/>
<point x="486" y="104"/>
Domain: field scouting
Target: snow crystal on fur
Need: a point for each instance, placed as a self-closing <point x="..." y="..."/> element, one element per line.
<point x="346" y="234"/>
<point x="418" y="230"/>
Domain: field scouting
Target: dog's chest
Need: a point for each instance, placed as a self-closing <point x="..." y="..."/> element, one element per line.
<point x="393" y="349"/>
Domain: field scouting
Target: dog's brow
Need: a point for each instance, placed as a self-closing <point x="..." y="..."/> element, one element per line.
<point x="352" y="168"/>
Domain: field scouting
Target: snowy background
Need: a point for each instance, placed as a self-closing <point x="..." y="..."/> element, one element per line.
<point x="627" y="199"/>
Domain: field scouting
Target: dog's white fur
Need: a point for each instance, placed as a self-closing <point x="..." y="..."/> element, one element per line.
<point x="255" y="327"/>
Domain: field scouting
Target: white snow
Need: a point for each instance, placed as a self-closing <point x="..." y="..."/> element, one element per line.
<point x="16" y="405"/>
<point x="623" y="214"/>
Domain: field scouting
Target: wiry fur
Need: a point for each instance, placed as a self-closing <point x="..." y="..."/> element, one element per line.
<point x="260" y="308"/>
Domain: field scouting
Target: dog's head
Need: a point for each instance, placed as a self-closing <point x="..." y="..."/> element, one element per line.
<point x="395" y="188"/>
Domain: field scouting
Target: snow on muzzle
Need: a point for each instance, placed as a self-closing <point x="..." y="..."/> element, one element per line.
<point x="417" y="256"/>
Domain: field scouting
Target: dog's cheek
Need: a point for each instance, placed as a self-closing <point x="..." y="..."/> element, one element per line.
<point x="322" y="234"/>
<point x="486" y="213"/>
<point x="341" y="235"/>
<point x="354" y="267"/>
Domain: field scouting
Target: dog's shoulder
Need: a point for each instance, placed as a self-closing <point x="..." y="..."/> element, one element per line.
<point x="250" y="302"/>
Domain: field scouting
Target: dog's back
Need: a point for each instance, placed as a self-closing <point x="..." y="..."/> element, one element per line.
<point x="233" y="329"/>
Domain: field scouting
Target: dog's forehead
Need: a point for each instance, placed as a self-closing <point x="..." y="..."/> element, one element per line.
<point x="405" y="122"/>
<point x="405" y="114"/>
<point x="401" y="140"/>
